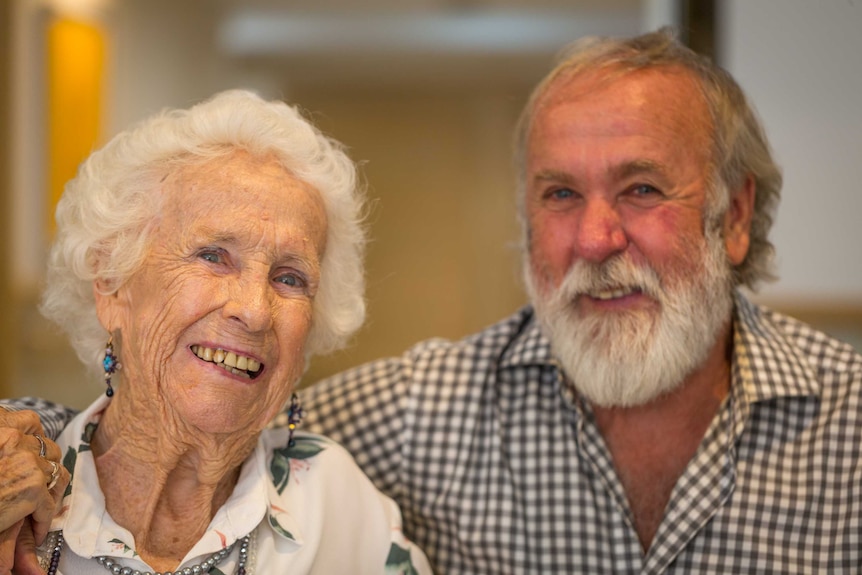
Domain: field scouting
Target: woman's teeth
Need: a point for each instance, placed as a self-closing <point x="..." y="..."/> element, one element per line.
<point x="228" y="360"/>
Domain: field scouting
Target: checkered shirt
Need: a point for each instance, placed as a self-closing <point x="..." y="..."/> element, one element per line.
<point x="499" y="469"/>
<point x="54" y="416"/>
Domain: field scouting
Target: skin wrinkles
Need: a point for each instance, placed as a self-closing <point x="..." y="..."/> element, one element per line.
<point x="297" y="260"/>
<point x="233" y="262"/>
<point x="602" y="144"/>
<point x="645" y="171"/>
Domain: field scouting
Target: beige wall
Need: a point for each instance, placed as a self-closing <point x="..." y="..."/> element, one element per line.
<point x="443" y="258"/>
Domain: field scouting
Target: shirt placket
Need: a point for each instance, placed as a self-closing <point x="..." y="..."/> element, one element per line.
<point x="626" y="555"/>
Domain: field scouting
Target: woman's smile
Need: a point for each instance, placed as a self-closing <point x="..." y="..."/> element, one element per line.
<point x="230" y="361"/>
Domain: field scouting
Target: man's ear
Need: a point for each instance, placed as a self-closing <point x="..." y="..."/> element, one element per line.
<point x="737" y="221"/>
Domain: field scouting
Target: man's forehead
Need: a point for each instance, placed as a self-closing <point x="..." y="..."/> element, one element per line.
<point x="668" y="97"/>
<point x="583" y="83"/>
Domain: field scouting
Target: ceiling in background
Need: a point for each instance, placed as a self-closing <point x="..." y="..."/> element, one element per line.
<point x="429" y="41"/>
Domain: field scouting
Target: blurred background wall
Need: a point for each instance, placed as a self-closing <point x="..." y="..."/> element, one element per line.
<point x="425" y="96"/>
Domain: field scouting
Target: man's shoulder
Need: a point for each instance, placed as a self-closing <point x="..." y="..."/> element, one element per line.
<point x="429" y="357"/>
<point x="775" y="334"/>
<point x="492" y="340"/>
<point x="54" y="416"/>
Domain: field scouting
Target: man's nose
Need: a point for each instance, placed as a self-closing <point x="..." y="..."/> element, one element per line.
<point x="600" y="232"/>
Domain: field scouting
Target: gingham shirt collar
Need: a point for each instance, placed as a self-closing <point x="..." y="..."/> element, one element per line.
<point x="531" y="347"/>
<point x="764" y="355"/>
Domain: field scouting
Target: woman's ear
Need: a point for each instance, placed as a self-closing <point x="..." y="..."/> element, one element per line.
<point x="737" y="221"/>
<point x="110" y="305"/>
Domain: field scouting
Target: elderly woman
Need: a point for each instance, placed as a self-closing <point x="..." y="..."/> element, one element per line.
<point x="201" y="258"/>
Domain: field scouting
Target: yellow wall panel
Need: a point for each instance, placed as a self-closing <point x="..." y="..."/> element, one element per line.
<point x="76" y="62"/>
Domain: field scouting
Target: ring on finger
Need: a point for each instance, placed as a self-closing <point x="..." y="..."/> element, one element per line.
<point x="42" y="447"/>
<point x="55" y="475"/>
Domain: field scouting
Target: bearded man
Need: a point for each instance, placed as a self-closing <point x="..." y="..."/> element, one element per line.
<point x="642" y="416"/>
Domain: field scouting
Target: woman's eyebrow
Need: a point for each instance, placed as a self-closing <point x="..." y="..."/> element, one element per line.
<point x="208" y="234"/>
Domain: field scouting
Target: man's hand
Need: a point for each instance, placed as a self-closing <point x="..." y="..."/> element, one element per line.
<point x="32" y="483"/>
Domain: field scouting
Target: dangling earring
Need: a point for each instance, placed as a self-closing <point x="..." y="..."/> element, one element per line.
<point x="110" y="365"/>
<point x="295" y="414"/>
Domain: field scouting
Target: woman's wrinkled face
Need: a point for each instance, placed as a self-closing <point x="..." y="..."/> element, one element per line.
<point x="214" y="324"/>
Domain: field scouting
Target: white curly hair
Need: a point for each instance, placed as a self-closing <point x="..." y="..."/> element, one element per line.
<point x="105" y="215"/>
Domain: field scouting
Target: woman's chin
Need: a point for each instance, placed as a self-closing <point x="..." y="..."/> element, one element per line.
<point x="218" y="415"/>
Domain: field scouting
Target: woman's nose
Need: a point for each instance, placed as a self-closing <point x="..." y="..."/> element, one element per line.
<point x="249" y="302"/>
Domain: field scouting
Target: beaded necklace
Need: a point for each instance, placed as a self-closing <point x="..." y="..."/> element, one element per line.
<point x="244" y="564"/>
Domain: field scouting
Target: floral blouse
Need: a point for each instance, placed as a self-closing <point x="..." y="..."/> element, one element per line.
<point x="308" y="509"/>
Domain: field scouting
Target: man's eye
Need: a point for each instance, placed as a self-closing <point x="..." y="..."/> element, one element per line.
<point x="559" y="199"/>
<point x="561" y="194"/>
<point x="645" y="190"/>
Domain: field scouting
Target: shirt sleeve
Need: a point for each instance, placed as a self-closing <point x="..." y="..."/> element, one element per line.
<point x="405" y="558"/>
<point x="54" y="416"/>
<point x="363" y="409"/>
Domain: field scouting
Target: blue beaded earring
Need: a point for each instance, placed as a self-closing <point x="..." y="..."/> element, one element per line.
<point x="110" y="365"/>
<point x="295" y="414"/>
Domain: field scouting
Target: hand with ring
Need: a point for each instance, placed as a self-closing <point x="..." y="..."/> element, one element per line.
<point x="32" y="483"/>
<point x="55" y="467"/>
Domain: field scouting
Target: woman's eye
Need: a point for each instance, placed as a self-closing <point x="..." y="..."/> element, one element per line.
<point x="212" y="257"/>
<point x="290" y="280"/>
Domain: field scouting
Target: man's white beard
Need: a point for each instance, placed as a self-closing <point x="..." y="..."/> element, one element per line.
<point x="626" y="359"/>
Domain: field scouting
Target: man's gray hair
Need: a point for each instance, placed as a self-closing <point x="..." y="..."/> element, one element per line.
<point x="108" y="210"/>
